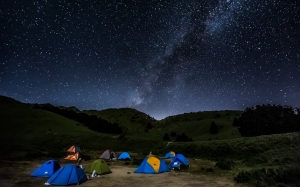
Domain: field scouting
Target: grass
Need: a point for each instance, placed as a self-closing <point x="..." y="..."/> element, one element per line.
<point x="27" y="133"/>
<point x="195" y="125"/>
<point x="270" y="146"/>
<point x="262" y="160"/>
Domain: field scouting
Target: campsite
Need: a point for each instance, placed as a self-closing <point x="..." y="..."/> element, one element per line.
<point x="125" y="147"/>
<point x="121" y="175"/>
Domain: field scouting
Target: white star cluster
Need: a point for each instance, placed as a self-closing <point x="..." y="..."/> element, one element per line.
<point x="162" y="57"/>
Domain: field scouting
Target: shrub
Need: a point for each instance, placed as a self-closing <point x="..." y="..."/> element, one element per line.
<point x="213" y="128"/>
<point x="173" y="134"/>
<point x="166" y="137"/>
<point x="271" y="177"/>
<point x="218" y="115"/>
<point x="243" y="177"/>
<point x="225" y="164"/>
<point x="209" y="170"/>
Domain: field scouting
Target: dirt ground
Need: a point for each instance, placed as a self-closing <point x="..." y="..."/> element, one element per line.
<point x="17" y="174"/>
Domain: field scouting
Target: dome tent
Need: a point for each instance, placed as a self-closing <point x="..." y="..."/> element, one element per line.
<point x="74" y="153"/>
<point x="124" y="155"/>
<point x="47" y="169"/>
<point x="99" y="166"/>
<point x="170" y="154"/>
<point x="67" y="175"/>
<point x="74" y="156"/>
<point x="74" y="149"/>
<point x="152" y="165"/>
<point x="108" y="155"/>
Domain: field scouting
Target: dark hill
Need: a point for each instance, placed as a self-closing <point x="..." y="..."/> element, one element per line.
<point x="28" y="132"/>
<point x="195" y="125"/>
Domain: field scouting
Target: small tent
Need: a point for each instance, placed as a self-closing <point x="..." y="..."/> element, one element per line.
<point x="74" y="153"/>
<point x="99" y="166"/>
<point x="170" y="154"/>
<point x="74" y="156"/>
<point x="124" y="156"/>
<point x="68" y="175"/>
<point x="108" y="155"/>
<point x="47" y="169"/>
<point x="152" y="165"/>
<point x="74" y="149"/>
<point x="178" y="160"/>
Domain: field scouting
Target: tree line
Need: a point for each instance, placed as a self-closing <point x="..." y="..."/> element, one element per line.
<point x="268" y="119"/>
<point x="178" y="137"/>
<point x="93" y="122"/>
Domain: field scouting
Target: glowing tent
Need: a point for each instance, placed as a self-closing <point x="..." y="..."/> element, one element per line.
<point x="152" y="165"/>
<point x="178" y="160"/>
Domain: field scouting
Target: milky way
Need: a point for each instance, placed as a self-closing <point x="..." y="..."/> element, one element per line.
<point x="161" y="57"/>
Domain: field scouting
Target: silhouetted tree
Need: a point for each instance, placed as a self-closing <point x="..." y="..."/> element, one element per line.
<point x="182" y="138"/>
<point x="213" y="128"/>
<point x="268" y="119"/>
<point x="166" y="137"/>
<point x="173" y="134"/>
<point x="178" y="138"/>
<point x="149" y="125"/>
<point x="235" y="122"/>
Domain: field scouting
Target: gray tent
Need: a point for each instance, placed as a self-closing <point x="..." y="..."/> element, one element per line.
<point x="108" y="155"/>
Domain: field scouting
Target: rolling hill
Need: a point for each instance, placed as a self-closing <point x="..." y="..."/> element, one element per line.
<point x="29" y="129"/>
<point x="195" y="125"/>
<point x="27" y="132"/>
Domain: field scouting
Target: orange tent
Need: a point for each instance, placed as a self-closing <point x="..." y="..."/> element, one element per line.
<point x="74" y="152"/>
<point x="74" y="149"/>
<point x="73" y="157"/>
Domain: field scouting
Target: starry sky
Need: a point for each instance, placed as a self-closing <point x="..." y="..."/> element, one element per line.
<point x="161" y="57"/>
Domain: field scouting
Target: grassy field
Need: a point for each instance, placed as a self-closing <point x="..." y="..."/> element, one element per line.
<point x="274" y="160"/>
<point x="262" y="161"/>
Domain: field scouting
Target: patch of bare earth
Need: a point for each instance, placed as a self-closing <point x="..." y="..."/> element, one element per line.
<point x="17" y="174"/>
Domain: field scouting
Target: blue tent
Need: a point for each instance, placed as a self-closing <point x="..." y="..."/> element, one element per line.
<point x="47" y="169"/>
<point x="152" y="165"/>
<point x="124" y="155"/>
<point x="67" y="175"/>
<point x="178" y="160"/>
<point x="170" y="154"/>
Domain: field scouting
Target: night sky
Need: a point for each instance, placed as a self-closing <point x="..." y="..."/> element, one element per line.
<point x="161" y="57"/>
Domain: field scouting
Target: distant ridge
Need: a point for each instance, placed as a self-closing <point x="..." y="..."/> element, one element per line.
<point x="8" y="100"/>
